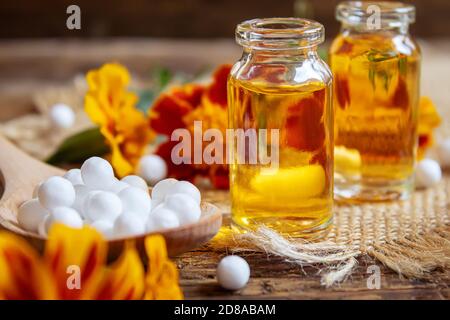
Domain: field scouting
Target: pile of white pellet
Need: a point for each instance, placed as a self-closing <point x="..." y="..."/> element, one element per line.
<point x="117" y="208"/>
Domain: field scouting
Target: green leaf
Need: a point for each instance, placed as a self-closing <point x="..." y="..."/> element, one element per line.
<point x="146" y="98"/>
<point x="372" y="77"/>
<point x="161" y="77"/>
<point x="79" y="147"/>
<point x="402" y="64"/>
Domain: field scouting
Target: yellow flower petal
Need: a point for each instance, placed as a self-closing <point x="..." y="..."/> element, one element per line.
<point x="125" y="278"/>
<point x="162" y="274"/>
<point x="22" y="274"/>
<point x="109" y="105"/>
<point x="69" y="249"/>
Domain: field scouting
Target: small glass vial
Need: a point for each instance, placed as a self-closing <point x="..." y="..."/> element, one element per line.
<point x="376" y="70"/>
<point x="281" y="86"/>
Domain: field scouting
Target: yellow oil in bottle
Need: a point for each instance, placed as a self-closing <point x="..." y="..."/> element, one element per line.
<point x="376" y="79"/>
<point x="295" y="196"/>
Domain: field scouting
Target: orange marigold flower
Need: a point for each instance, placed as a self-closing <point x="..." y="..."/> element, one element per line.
<point x="162" y="276"/>
<point x="429" y="119"/>
<point x="74" y="267"/>
<point x="179" y="108"/>
<point x="167" y="112"/>
<point x="113" y="108"/>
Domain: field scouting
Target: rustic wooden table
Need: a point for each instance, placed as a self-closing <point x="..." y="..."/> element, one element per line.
<point x="28" y="66"/>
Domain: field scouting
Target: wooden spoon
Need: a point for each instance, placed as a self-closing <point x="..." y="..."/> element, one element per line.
<point x="20" y="173"/>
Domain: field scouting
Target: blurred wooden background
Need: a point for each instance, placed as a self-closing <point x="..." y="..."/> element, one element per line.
<point x="183" y="18"/>
<point x="38" y="51"/>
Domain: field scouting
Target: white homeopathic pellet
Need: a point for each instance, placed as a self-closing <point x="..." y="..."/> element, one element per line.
<point x="102" y="205"/>
<point x="56" y="192"/>
<point x="160" y="190"/>
<point x="66" y="216"/>
<point x="43" y="226"/>
<point x="136" y="200"/>
<point x="152" y="168"/>
<point x="81" y="192"/>
<point x="128" y="224"/>
<point x="187" y="188"/>
<point x="162" y="218"/>
<point x="97" y="173"/>
<point x="233" y="272"/>
<point x="118" y="186"/>
<point x="186" y="208"/>
<point x="30" y="214"/>
<point x="428" y="173"/>
<point x="105" y="227"/>
<point x="74" y="176"/>
<point x="62" y="116"/>
<point x="135" y="181"/>
<point x="443" y="152"/>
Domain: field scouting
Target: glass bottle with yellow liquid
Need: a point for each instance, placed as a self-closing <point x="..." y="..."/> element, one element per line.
<point x="281" y="86"/>
<point x="376" y="66"/>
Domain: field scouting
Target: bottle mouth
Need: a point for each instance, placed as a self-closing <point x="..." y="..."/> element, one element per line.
<point x="391" y="13"/>
<point x="279" y="33"/>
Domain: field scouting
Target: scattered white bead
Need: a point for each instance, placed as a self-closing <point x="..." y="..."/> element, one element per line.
<point x="81" y="192"/>
<point x="136" y="200"/>
<point x="74" y="176"/>
<point x="443" y="153"/>
<point x="233" y="272"/>
<point x="118" y="186"/>
<point x="62" y="116"/>
<point x="428" y="173"/>
<point x="105" y="227"/>
<point x="186" y="208"/>
<point x="97" y="173"/>
<point x="56" y="192"/>
<point x="30" y="214"/>
<point x="152" y="168"/>
<point x="162" y="218"/>
<point x="135" y="181"/>
<point x="160" y="190"/>
<point x="187" y="188"/>
<point x="102" y="205"/>
<point x="66" y="216"/>
<point x="128" y="224"/>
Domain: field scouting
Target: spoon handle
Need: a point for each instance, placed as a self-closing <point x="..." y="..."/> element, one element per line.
<point x="19" y="172"/>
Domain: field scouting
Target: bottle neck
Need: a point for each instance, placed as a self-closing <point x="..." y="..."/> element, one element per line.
<point x="400" y="28"/>
<point x="284" y="54"/>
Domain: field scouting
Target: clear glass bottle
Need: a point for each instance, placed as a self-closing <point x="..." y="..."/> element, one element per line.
<point x="376" y="70"/>
<point x="280" y="83"/>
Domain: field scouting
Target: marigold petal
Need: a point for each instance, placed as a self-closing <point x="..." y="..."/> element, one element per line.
<point x="121" y="165"/>
<point x="83" y="248"/>
<point x="162" y="274"/>
<point x="429" y="119"/>
<point x="180" y="171"/>
<point x="22" y="274"/>
<point x="165" y="287"/>
<point x="125" y="278"/>
<point x="93" y="110"/>
<point x="217" y="91"/>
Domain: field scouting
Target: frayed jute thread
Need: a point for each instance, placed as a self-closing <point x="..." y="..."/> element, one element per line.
<point x="338" y="261"/>
<point x="415" y="256"/>
<point x="425" y="256"/>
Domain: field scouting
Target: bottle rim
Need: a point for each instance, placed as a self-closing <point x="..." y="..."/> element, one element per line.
<point x="279" y="33"/>
<point x="392" y="13"/>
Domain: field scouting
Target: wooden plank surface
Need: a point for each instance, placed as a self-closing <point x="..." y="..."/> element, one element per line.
<point x="28" y="66"/>
<point x="274" y="278"/>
